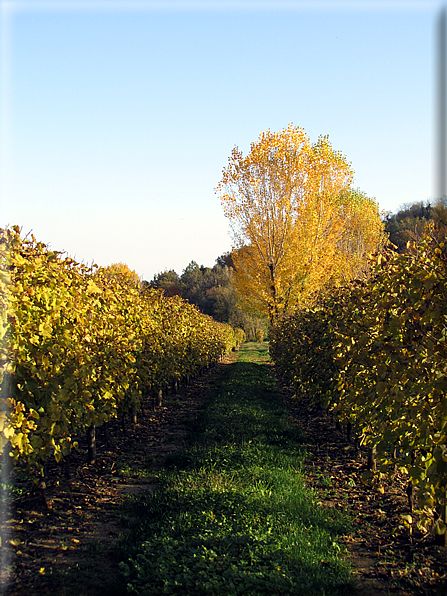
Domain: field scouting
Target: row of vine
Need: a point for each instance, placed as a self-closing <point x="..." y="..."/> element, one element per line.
<point x="376" y="355"/>
<point x="79" y="346"/>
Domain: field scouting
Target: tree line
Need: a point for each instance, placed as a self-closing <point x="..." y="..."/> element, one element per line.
<point x="212" y="290"/>
<point x="409" y="224"/>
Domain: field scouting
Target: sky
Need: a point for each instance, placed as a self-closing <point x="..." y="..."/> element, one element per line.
<point x="117" y="118"/>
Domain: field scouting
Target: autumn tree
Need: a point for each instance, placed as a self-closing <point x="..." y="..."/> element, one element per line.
<point x="124" y="274"/>
<point x="297" y="224"/>
<point x="363" y="234"/>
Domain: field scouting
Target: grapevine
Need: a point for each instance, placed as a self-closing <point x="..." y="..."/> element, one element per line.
<point x="79" y="347"/>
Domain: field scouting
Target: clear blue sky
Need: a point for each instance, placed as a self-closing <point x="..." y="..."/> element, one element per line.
<point x="118" y="117"/>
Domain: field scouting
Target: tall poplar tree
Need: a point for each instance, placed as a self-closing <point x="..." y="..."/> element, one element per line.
<point x="297" y="224"/>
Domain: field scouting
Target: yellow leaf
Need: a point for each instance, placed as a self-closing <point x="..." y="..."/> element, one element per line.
<point x="15" y="542"/>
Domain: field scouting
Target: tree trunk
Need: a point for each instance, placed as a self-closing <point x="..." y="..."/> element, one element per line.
<point x="107" y="435"/>
<point x="67" y="468"/>
<point x="159" y="398"/>
<point x="43" y="487"/>
<point x="393" y="451"/>
<point x="409" y="492"/>
<point x="371" y="463"/>
<point x="349" y="431"/>
<point x="441" y="539"/>
<point x="91" y="444"/>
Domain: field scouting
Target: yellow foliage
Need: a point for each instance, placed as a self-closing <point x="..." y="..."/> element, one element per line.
<point x="298" y="226"/>
<point x="123" y="273"/>
<point x="79" y="346"/>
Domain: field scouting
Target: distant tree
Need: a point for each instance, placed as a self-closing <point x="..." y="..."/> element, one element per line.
<point x="364" y="234"/>
<point x="192" y="275"/>
<point x="212" y="290"/>
<point x="228" y="306"/>
<point x="201" y="286"/>
<point x="122" y="272"/>
<point x="439" y="215"/>
<point x="225" y="260"/>
<point x="191" y="279"/>
<point x="169" y="282"/>
<point x="410" y="223"/>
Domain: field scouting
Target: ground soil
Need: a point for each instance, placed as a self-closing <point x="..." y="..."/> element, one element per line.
<point x="68" y="547"/>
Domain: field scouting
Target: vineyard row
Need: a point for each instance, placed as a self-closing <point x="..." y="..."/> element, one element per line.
<point x="376" y="356"/>
<point x="80" y="346"/>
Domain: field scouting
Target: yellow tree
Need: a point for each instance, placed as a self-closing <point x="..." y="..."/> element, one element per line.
<point x="123" y="273"/>
<point x="290" y="204"/>
<point x="363" y="234"/>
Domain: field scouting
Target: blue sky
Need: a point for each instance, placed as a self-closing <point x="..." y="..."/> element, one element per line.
<point x="118" y="117"/>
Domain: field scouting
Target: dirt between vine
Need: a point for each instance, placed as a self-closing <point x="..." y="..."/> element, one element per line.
<point x="385" y="557"/>
<point x="69" y="549"/>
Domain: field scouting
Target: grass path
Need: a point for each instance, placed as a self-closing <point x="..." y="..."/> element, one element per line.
<point x="233" y="515"/>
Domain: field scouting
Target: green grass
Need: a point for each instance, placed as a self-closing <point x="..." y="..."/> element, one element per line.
<point x="233" y="515"/>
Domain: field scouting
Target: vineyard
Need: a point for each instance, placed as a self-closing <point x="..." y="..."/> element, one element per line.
<point x="81" y="347"/>
<point x="85" y="348"/>
<point x="375" y="356"/>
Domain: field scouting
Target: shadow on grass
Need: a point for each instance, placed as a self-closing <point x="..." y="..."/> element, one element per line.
<point x="233" y="514"/>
